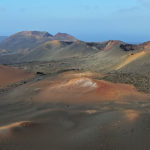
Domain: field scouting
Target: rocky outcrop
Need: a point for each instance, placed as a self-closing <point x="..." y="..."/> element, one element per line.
<point x="128" y="47"/>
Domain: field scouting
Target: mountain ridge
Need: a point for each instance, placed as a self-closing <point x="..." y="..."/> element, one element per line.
<point x="108" y="56"/>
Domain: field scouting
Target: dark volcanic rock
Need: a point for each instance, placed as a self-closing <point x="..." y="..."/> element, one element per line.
<point x="128" y="47"/>
<point x="40" y="73"/>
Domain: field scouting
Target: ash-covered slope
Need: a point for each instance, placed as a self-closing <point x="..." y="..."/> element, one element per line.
<point x="58" y="50"/>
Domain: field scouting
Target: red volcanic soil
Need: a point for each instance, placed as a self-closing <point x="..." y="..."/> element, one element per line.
<point x="115" y="91"/>
<point x="84" y="90"/>
<point x="10" y="76"/>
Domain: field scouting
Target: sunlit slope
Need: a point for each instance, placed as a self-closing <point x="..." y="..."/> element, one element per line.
<point x="131" y="58"/>
<point x="76" y="88"/>
<point x="138" y="62"/>
<point x="140" y="65"/>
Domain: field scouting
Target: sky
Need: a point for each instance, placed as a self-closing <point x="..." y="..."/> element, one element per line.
<point x="88" y="20"/>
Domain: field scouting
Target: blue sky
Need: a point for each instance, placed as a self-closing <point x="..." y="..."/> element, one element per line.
<point x="89" y="20"/>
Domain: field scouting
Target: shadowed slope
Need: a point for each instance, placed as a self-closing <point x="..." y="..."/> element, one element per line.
<point x="25" y="40"/>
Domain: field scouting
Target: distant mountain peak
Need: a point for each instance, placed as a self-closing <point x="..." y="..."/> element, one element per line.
<point x="24" y="40"/>
<point x="61" y="34"/>
<point x="37" y="34"/>
<point x="64" y="37"/>
<point x="32" y="34"/>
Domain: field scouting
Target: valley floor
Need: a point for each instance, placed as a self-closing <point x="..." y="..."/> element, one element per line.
<point x="74" y="111"/>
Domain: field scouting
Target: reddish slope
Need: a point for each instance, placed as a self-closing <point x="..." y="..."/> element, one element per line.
<point x="84" y="89"/>
<point x="10" y="75"/>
